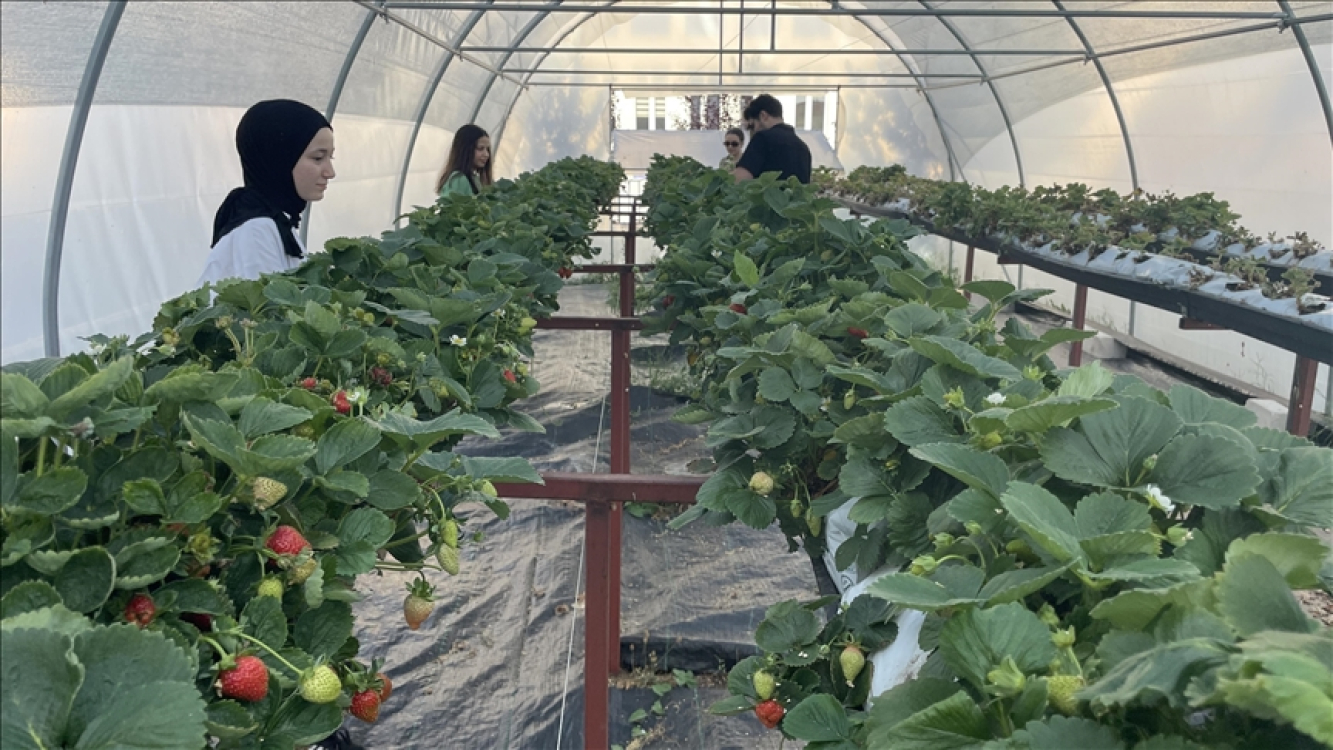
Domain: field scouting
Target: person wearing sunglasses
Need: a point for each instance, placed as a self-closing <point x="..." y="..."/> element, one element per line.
<point x="734" y="141"/>
<point x="774" y="145"/>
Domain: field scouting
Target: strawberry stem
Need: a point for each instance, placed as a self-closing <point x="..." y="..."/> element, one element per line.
<point x="265" y="646"/>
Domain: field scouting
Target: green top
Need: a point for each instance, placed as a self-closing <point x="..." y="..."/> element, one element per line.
<point x="457" y="184"/>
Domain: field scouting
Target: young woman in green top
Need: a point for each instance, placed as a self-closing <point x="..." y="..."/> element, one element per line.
<point x="469" y="166"/>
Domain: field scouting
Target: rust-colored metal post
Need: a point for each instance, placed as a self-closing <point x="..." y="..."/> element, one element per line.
<point x="1080" y="316"/>
<point x="1301" y="403"/>
<point x="967" y="269"/>
<point x="620" y="443"/>
<point x="596" y="690"/>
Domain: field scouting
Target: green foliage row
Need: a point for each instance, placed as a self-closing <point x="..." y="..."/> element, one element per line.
<point x="1102" y="564"/>
<point x="144" y="481"/>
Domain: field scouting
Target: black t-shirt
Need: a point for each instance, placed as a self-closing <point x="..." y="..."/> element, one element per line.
<point x="777" y="149"/>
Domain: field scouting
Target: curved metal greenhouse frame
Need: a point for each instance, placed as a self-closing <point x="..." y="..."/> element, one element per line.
<point x="1283" y="17"/>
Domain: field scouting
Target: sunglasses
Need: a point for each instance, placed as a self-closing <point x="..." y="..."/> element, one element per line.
<point x="729" y="144"/>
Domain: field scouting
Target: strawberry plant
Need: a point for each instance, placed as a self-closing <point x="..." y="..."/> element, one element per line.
<point x="1098" y="564"/>
<point x="217" y="485"/>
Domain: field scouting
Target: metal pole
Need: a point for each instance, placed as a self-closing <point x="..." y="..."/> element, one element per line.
<point x="1004" y="113"/>
<point x="1301" y="403"/>
<point x="973" y="77"/>
<point x="69" y="160"/>
<point x="337" y="93"/>
<point x="490" y="82"/>
<point x="871" y="11"/>
<point x="1155" y="45"/>
<point x="1299" y="32"/>
<point x="450" y="48"/>
<point x="422" y="107"/>
<point x="1080" y="317"/>
<point x="843" y="52"/>
<point x="596" y="692"/>
<point x="504" y="123"/>
<point x="709" y="87"/>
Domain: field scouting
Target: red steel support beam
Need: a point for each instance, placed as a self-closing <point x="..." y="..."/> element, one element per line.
<point x="1080" y="317"/>
<point x="596" y="636"/>
<point x="967" y="269"/>
<point x="576" y="323"/>
<point x="1301" y="403"/>
<point x="676" y="489"/>
<point x="620" y="443"/>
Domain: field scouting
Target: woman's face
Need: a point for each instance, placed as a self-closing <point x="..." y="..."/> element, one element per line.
<point x="481" y="155"/>
<point x="314" y="169"/>
<point x="733" y="144"/>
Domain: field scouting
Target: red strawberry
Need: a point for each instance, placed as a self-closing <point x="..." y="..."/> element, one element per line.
<point x="381" y="376"/>
<point x="509" y="375"/>
<point x="247" y="681"/>
<point x="386" y="689"/>
<point x="770" y="713"/>
<point x="366" y="706"/>
<point x="141" y="610"/>
<point x="286" y="540"/>
<point x="565" y="273"/>
<point x="340" y="402"/>
<point x="738" y="308"/>
<point x="202" y="621"/>
<point x="669" y="300"/>
<point x="309" y="384"/>
<point x="859" y="333"/>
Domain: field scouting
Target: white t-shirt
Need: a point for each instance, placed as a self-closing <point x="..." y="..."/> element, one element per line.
<point x="252" y="249"/>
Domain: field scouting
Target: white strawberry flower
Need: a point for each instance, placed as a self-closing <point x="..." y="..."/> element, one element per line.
<point x="1158" y="499"/>
<point x="457" y="340"/>
<point x="357" y="395"/>
<point x="995" y="399"/>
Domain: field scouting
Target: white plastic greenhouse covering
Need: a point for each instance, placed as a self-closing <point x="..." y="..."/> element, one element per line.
<point x="118" y="118"/>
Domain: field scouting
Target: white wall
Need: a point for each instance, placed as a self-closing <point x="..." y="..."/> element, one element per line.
<point x="1248" y="130"/>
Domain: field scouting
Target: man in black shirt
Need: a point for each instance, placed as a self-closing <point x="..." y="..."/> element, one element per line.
<point x="774" y="145"/>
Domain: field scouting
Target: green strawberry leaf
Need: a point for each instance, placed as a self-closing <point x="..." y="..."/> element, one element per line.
<point x="1064" y="733"/>
<point x="919" y="421"/>
<point x="41" y="678"/>
<point x="786" y="626"/>
<point x="975" y="641"/>
<point x="1087" y="381"/>
<point x="953" y="723"/>
<point x="1109" y="447"/>
<point x="121" y="658"/>
<point x="53" y="492"/>
<point x="1162" y="672"/>
<point x="1301" y="490"/>
<point x="964" y="357"/>
<point x="86" y="579"/>
<point x="1296" y="556"/>
<point x="1056" y="411"/>
<point x="1196" y="407"/>
<point x="818" y="718"/>
<point x="262" y="416"/>
<point x="322" y="631"/>
<point x="1108" y="513"/>
<point x="344" y="443"/>
<point x="1045" y="519"/>
<point x="1252" y="596"/>
<point x="981" y="471"/>
<point x="1208" y="471"/>
<point x="28" y="596"/>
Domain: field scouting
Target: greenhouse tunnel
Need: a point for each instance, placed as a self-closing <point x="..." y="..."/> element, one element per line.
<point x="118" y="122"/>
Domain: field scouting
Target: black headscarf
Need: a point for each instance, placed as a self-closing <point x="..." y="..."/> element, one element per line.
<point x="271" y="138"/>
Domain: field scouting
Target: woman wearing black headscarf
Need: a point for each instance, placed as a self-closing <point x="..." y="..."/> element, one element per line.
<point x="286" y="151"/>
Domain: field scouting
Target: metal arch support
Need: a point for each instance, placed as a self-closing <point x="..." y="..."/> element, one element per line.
<point x="951" y="159"/>
<point x="513" y="101"/>
<point x="1081" y="293"/>
<point x="1110" y="93"/>
<point x="337" y="92"/>
<point x="1298" y="31"/>
<point x="1004" y="112"/>
<point x="426" y="97"/>
<point x="523" y="34"/>
<point x="69" y="159"/>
